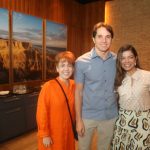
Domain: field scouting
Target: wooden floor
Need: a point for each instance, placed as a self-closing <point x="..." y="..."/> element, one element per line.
<point x="27" y="141"/>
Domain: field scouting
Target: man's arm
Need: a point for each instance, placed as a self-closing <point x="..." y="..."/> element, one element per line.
<point x="78" y="108"/>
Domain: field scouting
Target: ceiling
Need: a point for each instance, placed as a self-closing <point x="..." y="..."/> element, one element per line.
<point x="88" y="1"/>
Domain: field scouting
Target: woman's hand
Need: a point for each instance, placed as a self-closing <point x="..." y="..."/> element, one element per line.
<point x="47" y="141"/>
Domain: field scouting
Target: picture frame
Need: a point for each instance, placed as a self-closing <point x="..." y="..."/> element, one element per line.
<point x="56" y="41"/>
<point x="27" y="47"/>
<point x="32" y="44"/>
<point x="4" y="47"/>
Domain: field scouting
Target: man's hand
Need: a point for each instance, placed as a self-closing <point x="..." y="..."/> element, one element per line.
<point x="80" y="127"/>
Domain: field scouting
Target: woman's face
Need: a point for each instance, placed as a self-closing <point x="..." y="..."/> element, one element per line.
<point x="128" y="61"/>
<point x="65" y="69"/>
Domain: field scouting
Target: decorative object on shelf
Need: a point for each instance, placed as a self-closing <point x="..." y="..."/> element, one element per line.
<point x="19" y="89"/>
<point x="4" y="92"/>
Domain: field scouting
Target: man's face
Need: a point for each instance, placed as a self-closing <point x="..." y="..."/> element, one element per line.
<point x="102" y="40"/>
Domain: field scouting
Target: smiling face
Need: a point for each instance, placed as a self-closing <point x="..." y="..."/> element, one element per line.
<point x="102" y="40"/>
<point x="65" y="69"/>
<point x="128" y="61"/>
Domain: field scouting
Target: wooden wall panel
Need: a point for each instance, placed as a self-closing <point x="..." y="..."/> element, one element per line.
<point x="94" y="12"/>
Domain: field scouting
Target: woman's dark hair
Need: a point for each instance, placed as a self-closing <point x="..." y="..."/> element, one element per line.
<point x="102" y="24"/>
<point x="120" y="72"/>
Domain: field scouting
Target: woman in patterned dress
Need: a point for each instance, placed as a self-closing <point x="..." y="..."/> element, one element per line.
<point x="132" y="128"/>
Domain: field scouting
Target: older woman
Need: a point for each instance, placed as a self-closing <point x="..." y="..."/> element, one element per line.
<point x="53" y="120"/>
<point x="132" y="128"/>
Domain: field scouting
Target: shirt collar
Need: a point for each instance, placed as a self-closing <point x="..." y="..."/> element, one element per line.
<point x="94" y="54"/>
<point x="135" y="76"/>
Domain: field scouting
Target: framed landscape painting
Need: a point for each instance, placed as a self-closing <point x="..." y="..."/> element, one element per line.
<point x="4" y="46"/>
<point x="56" y="41"/>
<point x="27" y="39"/>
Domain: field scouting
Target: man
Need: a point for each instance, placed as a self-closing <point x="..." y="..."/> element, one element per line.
<point x="95" y="102"/>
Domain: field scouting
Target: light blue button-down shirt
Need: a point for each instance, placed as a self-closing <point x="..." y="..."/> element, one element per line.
<point x="97" y="75"/>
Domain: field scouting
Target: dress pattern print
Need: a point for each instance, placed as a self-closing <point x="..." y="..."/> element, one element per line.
<point x="132" y="130"/>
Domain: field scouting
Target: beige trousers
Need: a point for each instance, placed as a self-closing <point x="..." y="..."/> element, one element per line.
<point x="104" y="130"/>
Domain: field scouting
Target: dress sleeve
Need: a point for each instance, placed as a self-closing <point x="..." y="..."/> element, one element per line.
<point x="42" y="113"/>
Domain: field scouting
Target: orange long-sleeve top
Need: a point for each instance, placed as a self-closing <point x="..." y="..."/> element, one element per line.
<point x="53" y="117"/>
